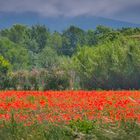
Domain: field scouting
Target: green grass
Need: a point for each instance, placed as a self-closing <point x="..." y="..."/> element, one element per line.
<point x="79" y="130"/>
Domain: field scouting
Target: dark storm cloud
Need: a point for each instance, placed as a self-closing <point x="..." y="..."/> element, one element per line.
<point x="117" y="9"/>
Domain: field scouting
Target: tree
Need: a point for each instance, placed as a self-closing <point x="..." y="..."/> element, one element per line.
<point x="102" y="30"/>
<point x="112" y="65"/>
<point x="4" y="69"/>
<point x="48" y="58"/>
<point x="55" y="42"/>
<point x="91" y="38"/>
<point x="4" y="66"/>
<point x="127" y="31"/>
<point x="40" y="35"/>
<point x="104" y="34"/>
<point x="15" y="54"/>
<point x="16" y="33"/>
<point x="71" y="38"/>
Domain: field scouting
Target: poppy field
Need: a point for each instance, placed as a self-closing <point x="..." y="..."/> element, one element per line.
<point x="69" y="114"/>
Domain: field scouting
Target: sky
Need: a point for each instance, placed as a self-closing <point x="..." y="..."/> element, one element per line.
<point x="123" y="10"/>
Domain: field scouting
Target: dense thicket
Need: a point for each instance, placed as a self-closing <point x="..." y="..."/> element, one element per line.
<point x="35" y="58"/>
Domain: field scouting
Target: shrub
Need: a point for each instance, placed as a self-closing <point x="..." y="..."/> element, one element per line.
<point x="39" y="80"/>
<point x="4" y="69"/>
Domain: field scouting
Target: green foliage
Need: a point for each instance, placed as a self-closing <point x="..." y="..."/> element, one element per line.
<point x="4" y="69"/>
<point x="55" y="42"/>
<point x="72" y="37"/>
<point x="4" y="66"/>
<point x="16" y="131"/>
<point x="48" y="58"/>
<point x="39" y="80"/>
<point x="16" y="33"/>
<point x="106" y="131"/>
<point x="103" y="58"/>
<point x="15" y="54"/>
<point x="84" y="126"/>
<point x="85" y="130"/>
<point x="110" y="65"/>
<point x="91" y="38"/>
<point x="40" y="34"/>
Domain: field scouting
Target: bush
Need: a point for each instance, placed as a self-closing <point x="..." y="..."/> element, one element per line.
<point x="4" y="69"/>
<point x="112" y="65"/>
<point x="39" y="80"/>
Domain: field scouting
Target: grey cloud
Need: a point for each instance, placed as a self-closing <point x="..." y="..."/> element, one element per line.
<point x="116" y="9"/>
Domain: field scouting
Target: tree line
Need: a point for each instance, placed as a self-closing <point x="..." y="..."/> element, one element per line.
<point x="33" y="58"/>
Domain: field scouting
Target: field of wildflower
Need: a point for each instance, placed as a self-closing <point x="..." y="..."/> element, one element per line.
<point x="69" y="115"/>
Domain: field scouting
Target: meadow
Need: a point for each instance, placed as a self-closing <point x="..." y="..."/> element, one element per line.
<point x="50" y="82"/>
<point x="62" y="115"/>
<point x="73" y="84"/>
